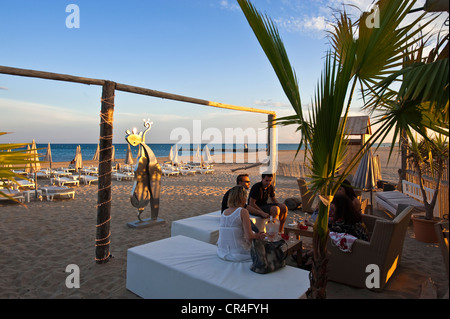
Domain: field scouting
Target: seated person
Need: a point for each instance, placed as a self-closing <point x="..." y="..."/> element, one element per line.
<point x="347" y="190"/>
<point x="259" y="195"/>
<point x="235" y="233"/>
<point x="345" y="219"/>
<point x="244" y="181"/>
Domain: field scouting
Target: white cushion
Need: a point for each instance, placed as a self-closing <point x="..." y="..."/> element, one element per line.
<point x="203" y="227"/>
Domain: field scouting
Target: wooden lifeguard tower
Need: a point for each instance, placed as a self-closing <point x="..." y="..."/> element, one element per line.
<point x="358" y="131"/>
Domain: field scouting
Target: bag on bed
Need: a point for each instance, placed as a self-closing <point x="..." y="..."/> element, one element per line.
<point x="268" y="256"/>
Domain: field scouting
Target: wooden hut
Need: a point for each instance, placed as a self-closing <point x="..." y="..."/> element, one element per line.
<point x="358" y="131"/>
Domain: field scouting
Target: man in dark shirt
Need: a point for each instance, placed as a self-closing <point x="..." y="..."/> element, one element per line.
<point x="244" y="181"/>
<point x="258" y="200"/>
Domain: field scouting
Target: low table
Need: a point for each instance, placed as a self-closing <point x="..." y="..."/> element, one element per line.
<point x="295" y="246"/>
<point x="299" y="232"/>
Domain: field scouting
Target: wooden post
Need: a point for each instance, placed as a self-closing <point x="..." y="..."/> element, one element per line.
<point x="102" y="242"/>
<point x="272" y="141"/>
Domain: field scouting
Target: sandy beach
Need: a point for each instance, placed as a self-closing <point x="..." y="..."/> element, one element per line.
<point x="39" y="241"/>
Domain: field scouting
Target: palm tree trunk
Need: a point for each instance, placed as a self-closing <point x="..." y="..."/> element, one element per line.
<point x="318" y="276"/>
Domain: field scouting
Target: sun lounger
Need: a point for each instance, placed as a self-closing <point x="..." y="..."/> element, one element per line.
<point x="88" y="179"/>
<point x="120" y="176"/>
<point x="17" y="195"/>
<point x="169" y="171"/>
<point x="43" y="174"/>
<point x="184" y="268"/>
<point x="51" y="191"/>
<point x="410" y="196"/>
<point x="187" y="171"/>
<point x="60" y="173"/>
<point x="204" y="170"/>
<point x="24" y="183"/>
<point x="205" y="227"/>
<point x="61" y="181"/>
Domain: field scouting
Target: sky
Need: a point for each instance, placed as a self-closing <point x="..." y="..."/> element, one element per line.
<point x="197" y="48"/>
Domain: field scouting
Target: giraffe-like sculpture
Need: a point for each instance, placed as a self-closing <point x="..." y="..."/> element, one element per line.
<point x="147" y="185"/>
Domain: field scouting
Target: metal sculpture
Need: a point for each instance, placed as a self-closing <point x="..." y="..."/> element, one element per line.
<point x="147" y="184"/>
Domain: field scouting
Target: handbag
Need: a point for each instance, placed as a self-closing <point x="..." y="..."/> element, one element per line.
<point x="267" y="256"/>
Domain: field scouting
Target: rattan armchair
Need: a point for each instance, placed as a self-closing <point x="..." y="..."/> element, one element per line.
<point x="384" y="250"/>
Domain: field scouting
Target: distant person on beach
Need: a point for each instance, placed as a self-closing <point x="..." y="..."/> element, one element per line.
<point x="258" y="199"/>
<point x="244" y="181"/>
<point x="235" y="233"/>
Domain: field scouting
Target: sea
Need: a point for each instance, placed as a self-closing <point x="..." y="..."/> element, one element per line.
<point x="66" y="152"/>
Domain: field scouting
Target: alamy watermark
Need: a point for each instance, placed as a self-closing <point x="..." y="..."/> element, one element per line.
<point x="73" y="19"/>
<point x="255" y="139"/>
<point x="73" y="279"/>
<point x="373" y="17"/>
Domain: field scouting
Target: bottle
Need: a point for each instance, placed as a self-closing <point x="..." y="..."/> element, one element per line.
<point x="272" y="228"/>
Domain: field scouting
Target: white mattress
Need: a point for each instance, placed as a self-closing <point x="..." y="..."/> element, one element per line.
<point x="184" y="268"/>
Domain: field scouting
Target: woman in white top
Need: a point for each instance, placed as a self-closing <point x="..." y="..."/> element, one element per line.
<point x="235" y="232"/>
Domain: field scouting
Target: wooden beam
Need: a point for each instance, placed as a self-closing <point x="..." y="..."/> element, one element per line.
<point x="50" y="76"/>
<point x="181" y="98"/>
<point x="125" y="88"/>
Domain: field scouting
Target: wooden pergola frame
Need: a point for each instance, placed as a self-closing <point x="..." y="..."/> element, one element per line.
<point x="102" y="242"/>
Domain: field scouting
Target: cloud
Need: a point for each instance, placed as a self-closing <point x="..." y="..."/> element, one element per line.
<point x="270" y="103"/>
<point x="4" y="88"/>
<point x="226" y="5"/>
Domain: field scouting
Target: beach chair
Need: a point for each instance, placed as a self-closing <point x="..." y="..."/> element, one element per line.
<point x="383" y="251"/>
<point x="61" y="181"/>
<point x="51" y="191"/>
<point x="307" y="196"/>
<point x="120" y="176"/>
<point x="15" y="194"/>
<point x="88" y="179"/>
<point x="23" y="183"/>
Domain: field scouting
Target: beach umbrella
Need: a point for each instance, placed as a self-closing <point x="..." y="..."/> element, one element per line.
<point x="129" y="158"/>
<point x="175" y="159"/>
<point x="113" y="156"/>
<point x="36" y="166"/>
<point x="28" y="166"/>
<point x="367" y="174"/>
<point x="48" y="155"/>
<point x="206" y="155"/>
<point x="78" y="159"/>
<point x="171" y="154"/>
<point x="197" y="156"/>
<point x="97" y="153"/>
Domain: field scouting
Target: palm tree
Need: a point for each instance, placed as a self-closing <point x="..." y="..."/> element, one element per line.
<point x="366" y="60"/>
<point x="427" y="156"/>
<point x="16" y="156"/>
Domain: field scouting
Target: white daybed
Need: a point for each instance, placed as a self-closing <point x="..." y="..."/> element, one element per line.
<point x="185" y="268"/>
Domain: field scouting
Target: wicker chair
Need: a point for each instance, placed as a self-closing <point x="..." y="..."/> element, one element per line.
<point x="384" y="250"/>
<point x="441" y="229"/>
<point x="307" y="196"/>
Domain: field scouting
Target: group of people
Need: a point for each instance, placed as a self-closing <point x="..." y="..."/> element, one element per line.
<point x="236" y="228"/>
<point x="238" y="207"/>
